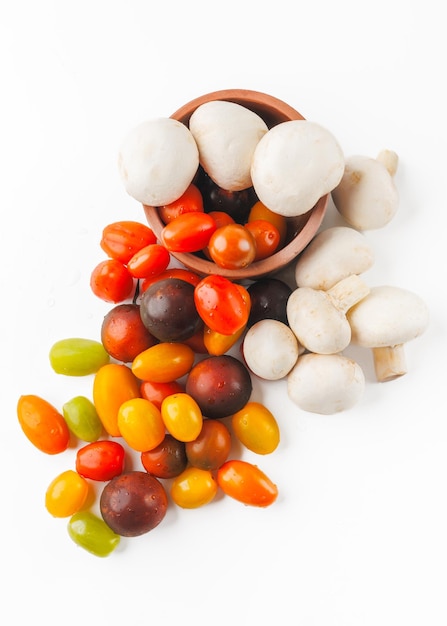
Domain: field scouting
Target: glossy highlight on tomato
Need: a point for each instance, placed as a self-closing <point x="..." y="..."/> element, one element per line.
<point x="256" y="428"/>
<point x="164" y="362"/>
<point x="140" y="424"/>
<point x="246" y="483"/>
<point x="121" y="240"/>
<point x="77" y="356"/>
<point x="189" y="232"/>
<point x="82" y="418"/>
<point x="101" y="460"/>
<point x="189" y="202"/>
<point x="111" y="281"/>
<point x="91" y="533"/>
<point x="66" y="494"/>
<point x="221" y="304"/>
<point x="167" y="460"/>
<point x="232" y="246"/>
<point x="193" y="488"/>
<point x="43" y="425"/>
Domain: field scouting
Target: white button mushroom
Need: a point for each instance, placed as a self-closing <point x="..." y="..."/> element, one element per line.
<point x="366" y="196"/>
<point x="325" y="383"/>
<point x="157" y="161"/>
<point x="270" y="349"/>
<point x="334" y="254"/>
<point x="294" y="165"/>
<point x="385" y="320"/>
<point x="226" y="134"/>
<point x="318" y="318"/>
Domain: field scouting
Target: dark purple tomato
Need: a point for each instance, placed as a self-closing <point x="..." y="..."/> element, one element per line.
<point x="221" y="385"/>
<point x="133" y="503"/>
<point x="268" y="298"/>
<point x="168" y="310"/>
<point x="237" y="204"/>
<point x="167" y="460"/>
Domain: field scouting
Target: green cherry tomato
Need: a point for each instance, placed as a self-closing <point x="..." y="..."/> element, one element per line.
<point x="77" y="356"/>
<point x="92" y="534"/>
<point x="82" y="418"/>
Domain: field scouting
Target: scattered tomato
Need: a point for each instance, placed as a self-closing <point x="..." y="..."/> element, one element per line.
<point x="43" y="425"/>
<point x="100" y="460"/>
<point x="111" y="281"/>
<point x="246" y="483"/>
<point x="193" y="488"/>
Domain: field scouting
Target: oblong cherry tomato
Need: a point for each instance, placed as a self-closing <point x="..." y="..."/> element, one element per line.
<point x="113" y="384"/>
<point x="260" y="212"/>
<point x="210" y="449"/>
<point x="157" y="392"/>
<point x="193" y="488"/>
<point x="149" y="261"/>
<point x="232" y="246"/>
<point x="191" y="201"/>
<point x="111" y="281"/>
<point x="246" y="483"/>
<point x="100" y="460"/>
<point x="266" y="236"/>
<point x="91" y="533"/>
<point x="43" y="425"/>
<point x="166" y="460"/>
<point x="171" y="272"/>
<point x="82" y="418"/>
<point x="256" y="428"/>
<point x="221" y="304"/>
<point x="140" y="424"/>
<point x="120" y="240"/>
<point x="76" y="356"/>
<point x="163" y="362"/>
<point x="66" y="494"/>
<point x="182" y="416"/>
<point x="189" y="232"/>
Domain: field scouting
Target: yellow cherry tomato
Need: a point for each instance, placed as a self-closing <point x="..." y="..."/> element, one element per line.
<point x="140" y="424"/>
<point x="182" y="416"/>
<point x="216" y="343"/>
<point x="113" y="384"/>
<point x="256" y="428"/>
<point x="164" y="362"/>
<point x="66" y="494"/>
<point x="193" y="488"/>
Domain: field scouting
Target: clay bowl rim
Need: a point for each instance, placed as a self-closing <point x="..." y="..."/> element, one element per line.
<point x="273" y="112"/>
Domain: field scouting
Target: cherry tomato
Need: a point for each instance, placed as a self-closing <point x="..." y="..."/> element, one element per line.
<point x="164" y="362"/>
<point x="166" y="460"/>
<point x="232" y="247"/>
<point x="77" y="356"/>
<point x="189" y="232"/>
<point x="66" y="494"/>
<point x="43" y="425"/>
<point x="217" y="343"/>
<point x="246" y="483"/>
<point x="91" y="533"/>
<point x="100" y="460"/>
<point x="111" y="281"/>
<point x="140" y="424"/>
<point x="191" y="201"/>
<point x="221" y="304"/>
<point x="123" y="333"/>
<point x="157" y="392"/>
<point x="82" y="418"/>
<point x="182" y="416"/>
<point x="121" y="240"/>
<point x="221" y="218"/>
<point x="193" y="488"/>
<point x="266" y="236"/>
<point x="260" y="212"/>
<point x="149" y="261"/>
<point x="256" y="428"/>
<point x="171" y="272"/>
<point x="268" y="300"/>
<point x="113" y="384"/>
<point x="210" y="449"/>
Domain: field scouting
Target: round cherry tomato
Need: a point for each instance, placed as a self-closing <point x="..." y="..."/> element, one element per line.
<point x="193" y="488"/>
<point x="210" y="449"/>
<point x="123" y="333"/>
<point x="191" y="201"/>
<point x="189" y="232"/>
<point x="111" y="281"/>
<point x="100" y="460"/>
<point x="266" y="236"/>
<point x="66" y="494"/>
<point x="149" y="261"/>
<point x="246" y="483"/>
<point x="140" y="424"/>
<point x="182" y="416"/>
<point x="166" y="460"/>
<point x="121" y="240"/>
<point x="268" y="300"/>
<point x="232" y="247"/>
<point x="256" y="428"/>
<point x="157" y="392"/>
<point x="43" y="425"/>
<point x="260" y="212"/>
<point x="164" y="362"/>
<point x="221" y="304"/>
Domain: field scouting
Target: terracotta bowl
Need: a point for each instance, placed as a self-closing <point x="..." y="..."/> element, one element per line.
<point x="300" y="230"/>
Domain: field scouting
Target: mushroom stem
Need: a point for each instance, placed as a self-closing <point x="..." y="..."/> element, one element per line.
<point x="348" y="292"/>
<point x="389" y="362"/>
<point x="389" y="159"/>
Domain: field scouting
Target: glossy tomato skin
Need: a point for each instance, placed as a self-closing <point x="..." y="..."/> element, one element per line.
<point x="266" y="236"/>
<point x="189" y="202"/>
<point x="268" y="300"/>
<point x="237" y="204"/>
<point x="182" y="416"/>
<point x="43" y="425"/>
<point x="221" y="304"/>
<point x="167" y="460"/>
<point x="140" y="424"/>
<point x="157" y="392"/>
<point x="189" y="232"/>
<point x="123" y="333"/>
<point x="121" y="240"/>
<point x="221" y="385"/>
<point x="171" y="272"/>
<point x="66" y="494"/>
<point x="246" y="483"/>
<point x="260" y="212"/>
<point x="113" y="384"/>
<point x="232" y="247"/>
<point x="193" y="488"/>
<point x="91" y="533"/>
<point x="163" y="363"/>
<point x="256" y="428"/>
<point x="111" y="281"/>
<point x="100" y="460"/>
<point x="210" y="449"/>
<point x="149" y="261"/>
<point x="168" y="310"/>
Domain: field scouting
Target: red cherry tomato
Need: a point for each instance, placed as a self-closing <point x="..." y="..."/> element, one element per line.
<point x="121" y="240"/>
<point x="191" y="201"/>
<point x="149" y="261"/>
<point x="266" y="236"/>
<point x="232" y="247"/>
<point x="171" y="272"/>
<point x="189" y="232"/>
<point x="157" y="392"/>
<point x="221" y="304"/>
<point x="111" y="281"/>
<point x="100" y="460"/>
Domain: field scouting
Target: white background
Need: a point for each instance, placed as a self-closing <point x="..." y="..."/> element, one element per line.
<point x="358" y="535"/>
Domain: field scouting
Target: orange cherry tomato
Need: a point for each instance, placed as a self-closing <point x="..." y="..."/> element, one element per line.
<point x="266" y="236"/>
<point x="121" y="240"/>
<point x="66" y="494"/>
<point x="217" y="343"/>
<point x="164" y="362"/>
<point x="149" y="261"/>
<point x="232" y="246"/>
<point x="140" y="424"/>
<point x="43" y="425"/>
<point x="191" y="201"/>
<point x="246" y="483"/>
<point x="157" y="392"/>
<point x="113" y="384"/>
<point x="222" y="219"/>
<point x="260" y="212"/>
<point x="111" y="281"/>
<point x="171" y="272"/>
<point x="189" y="232"/>
<point x="222" y="304"/>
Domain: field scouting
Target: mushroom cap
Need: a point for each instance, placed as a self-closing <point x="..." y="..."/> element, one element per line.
<point x="294" y="165"/>
<point x="157" y="161"/>
<point x="387" y="316"/>
<point x="366" y="195"/>
<point x="270" y="349"/>
<point x="332" y="255"/>
<point x="226" y="134"/>
<point x="325" y="383"/>
<point x="318" y="325"/>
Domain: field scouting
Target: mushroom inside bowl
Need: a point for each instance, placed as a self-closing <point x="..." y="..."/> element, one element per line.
<point x="300" y="229"/>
